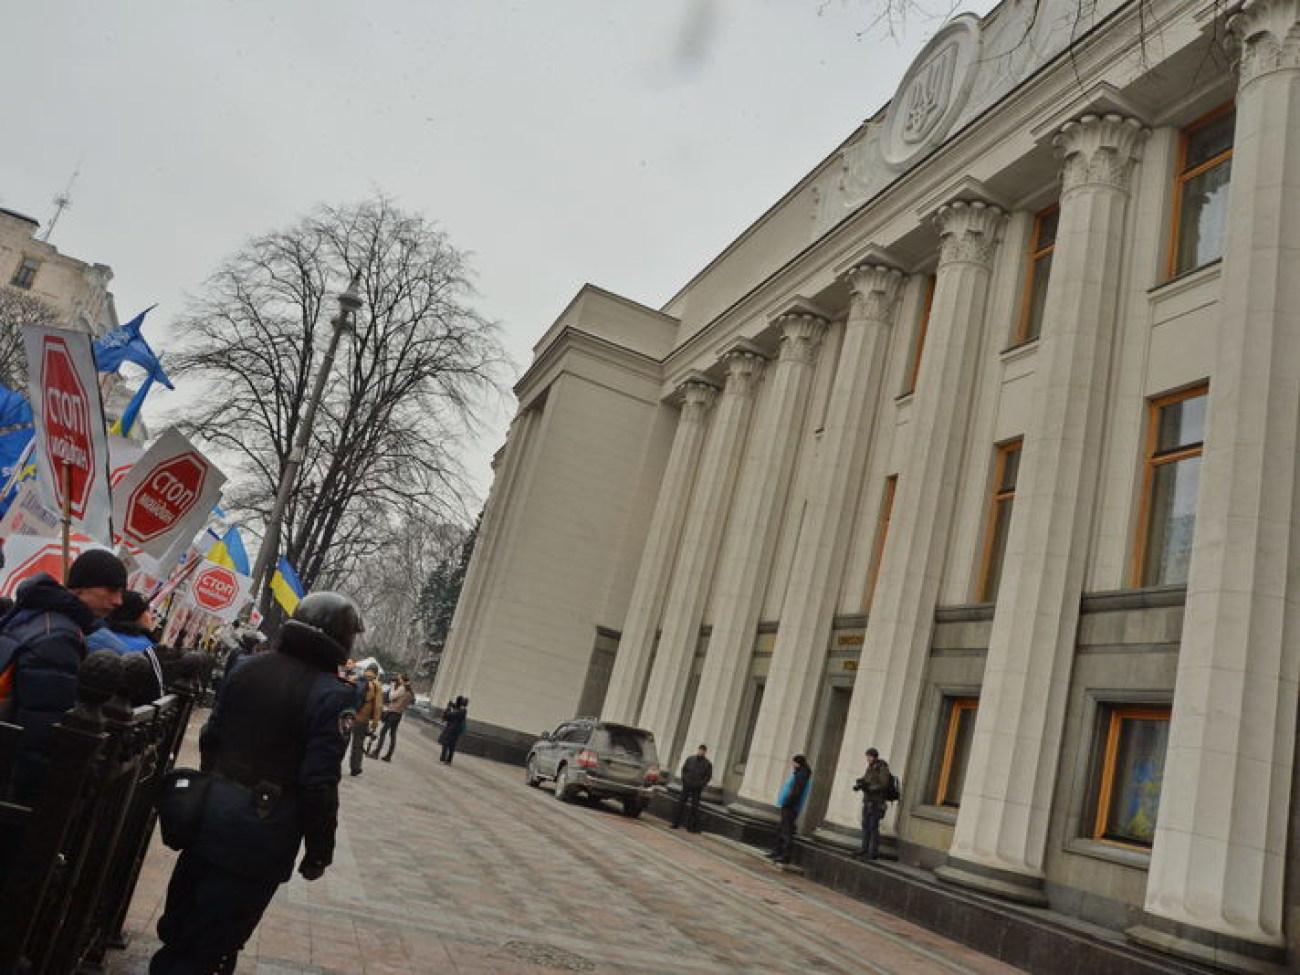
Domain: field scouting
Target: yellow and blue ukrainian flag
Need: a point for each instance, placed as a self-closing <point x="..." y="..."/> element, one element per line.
<point x="285" y="586"/>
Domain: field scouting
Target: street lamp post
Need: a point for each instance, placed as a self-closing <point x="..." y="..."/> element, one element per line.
<point x="349" y="305"/>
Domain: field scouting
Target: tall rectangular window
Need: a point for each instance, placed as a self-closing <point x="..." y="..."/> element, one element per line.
<point x="1175" y="441"/>
<point x="1132" y="772"/>
<point x="999" y="526"/>
<point x="957" y="729"/>
<point x="1201" y="191"/>
<point x="26" y="273"/>
<point x="1041" y="246"/>
<point x="882" y="532"/>
<point x="918" y="346"/>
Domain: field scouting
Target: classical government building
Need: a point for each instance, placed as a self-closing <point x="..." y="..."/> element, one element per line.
<point x="980" y="447"/>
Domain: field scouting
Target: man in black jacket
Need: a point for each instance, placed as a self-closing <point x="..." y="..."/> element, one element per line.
<point x="274" y="746"/>
<point x="696" y="773"/>
<point x="46" y="636"/>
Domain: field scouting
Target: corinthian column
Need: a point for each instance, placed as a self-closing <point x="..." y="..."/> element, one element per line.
<point x="799" y="654"/>
<point x="1219" y="862"/>
<point x="1006" y="803"/>
<point x="689" y="586"/>
<point x="752" y="532"/>
<point x="627" y="682"/>
<point x="888" y="681"/>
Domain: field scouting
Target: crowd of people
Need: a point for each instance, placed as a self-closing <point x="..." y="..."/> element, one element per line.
<point x="285" y="714"/>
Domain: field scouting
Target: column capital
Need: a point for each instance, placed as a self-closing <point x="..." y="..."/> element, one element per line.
<point x="1099" y="151"/>
<point x="801" y="335"/>
<point x="697" y="395"/>
<point x="968" y="232"/>
<point x="1269" y="34"/>
<point x="744" y="365"/>
<point x="876" y="289"/>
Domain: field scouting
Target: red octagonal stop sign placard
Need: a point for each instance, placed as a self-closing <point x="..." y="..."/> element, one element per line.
<point x="215" y="588"/>
<point x="166" y="495"/>
<point x="69" y="445"/>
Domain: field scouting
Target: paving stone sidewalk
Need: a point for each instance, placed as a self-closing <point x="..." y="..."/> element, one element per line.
<point x="463" y="869"/>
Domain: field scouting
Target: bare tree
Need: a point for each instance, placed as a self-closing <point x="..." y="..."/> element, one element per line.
<point x="400" y="401"/>
<point x="17" y="309"/>
<point x="389" y="584"/>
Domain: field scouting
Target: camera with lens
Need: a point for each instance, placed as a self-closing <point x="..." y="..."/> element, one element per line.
<point x="860" y="785"/>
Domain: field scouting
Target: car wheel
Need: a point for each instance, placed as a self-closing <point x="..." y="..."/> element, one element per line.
<point x="632" y="808"/>
<point x="562" y="788"/>
<point x="531" y="776"/>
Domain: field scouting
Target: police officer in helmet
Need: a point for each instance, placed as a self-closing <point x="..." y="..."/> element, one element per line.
<point x="273" y="745"/>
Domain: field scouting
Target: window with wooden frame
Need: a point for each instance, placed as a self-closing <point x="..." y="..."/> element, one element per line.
<point x="1133" y="741"/>
<point x="1042" y="244"/>
<point x="999" y="524"/>
<point x="26" y="273"/>
<point x="1201" y="191"/>
<point x="957" y="729"/>
<point x="882" y="532"/>
<point x="918" y="345"/>
<point x="1175" y="441"/>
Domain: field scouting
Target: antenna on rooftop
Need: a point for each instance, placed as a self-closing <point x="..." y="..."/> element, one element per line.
<point x="61" y="203"/>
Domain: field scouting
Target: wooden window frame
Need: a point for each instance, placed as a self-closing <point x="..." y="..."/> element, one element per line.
<point x="956" y="707"/>
<point x="997" y="496"/>
<point x="918" y="345"/>
<point x="1116" y="715"/>
<point x="1151" y="463"/>
<point x="1182" y="176"/>
<point x="878" y="543"/>
<point x="1036" y="254"/>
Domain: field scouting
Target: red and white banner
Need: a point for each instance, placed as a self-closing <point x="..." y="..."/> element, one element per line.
<point x="219" y="591"/>
<point x="26" y="555"/>
<point x="167" y="495"/>
<point x="71" y="444"/>
<point x="122" y="455"/>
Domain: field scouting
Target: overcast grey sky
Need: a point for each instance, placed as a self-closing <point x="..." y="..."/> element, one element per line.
<point x="559" y="141"/>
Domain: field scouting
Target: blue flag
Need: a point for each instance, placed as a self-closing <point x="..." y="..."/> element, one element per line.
<point x="122" y="427"/>
<point x="16" y="430"/>
<point x="126" y="344"/>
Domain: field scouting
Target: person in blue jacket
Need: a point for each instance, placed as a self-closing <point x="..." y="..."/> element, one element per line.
<point x="130" y="629"/>
<point x="791" y="802"/>
<point x="274" y="748"/>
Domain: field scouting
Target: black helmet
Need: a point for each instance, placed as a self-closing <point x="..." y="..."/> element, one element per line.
<point x="333" y="614"/>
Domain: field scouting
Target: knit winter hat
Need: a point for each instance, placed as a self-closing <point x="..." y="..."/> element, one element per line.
<point x="96" y="568"/>
<point x="133" y="607"/>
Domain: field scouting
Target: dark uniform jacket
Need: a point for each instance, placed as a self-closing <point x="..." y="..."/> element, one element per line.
<point x="275" y="741"/>
<point x="453" y="724"/>
<point x="875" y="782"/>
<point x="50" y="625"/>
<point x="696" y="772"/>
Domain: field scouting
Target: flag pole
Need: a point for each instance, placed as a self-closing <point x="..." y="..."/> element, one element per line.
<point x="66" y="478"/>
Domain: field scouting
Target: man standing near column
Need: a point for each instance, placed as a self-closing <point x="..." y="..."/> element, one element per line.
<point x="793" y="795"/>
<point x="875" y="788"/>
<point x="697" y="771"/>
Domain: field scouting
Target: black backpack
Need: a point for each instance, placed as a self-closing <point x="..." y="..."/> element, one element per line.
<point x="895" y="790"/>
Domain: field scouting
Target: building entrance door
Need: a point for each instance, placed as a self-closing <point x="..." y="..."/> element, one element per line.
<point x="835" y="707"/>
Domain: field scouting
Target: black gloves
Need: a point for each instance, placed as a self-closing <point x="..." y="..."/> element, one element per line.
<point x="311" y="869"/>
<point x="319" y="811"/>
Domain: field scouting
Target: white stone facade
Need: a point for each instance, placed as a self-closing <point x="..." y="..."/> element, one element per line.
<point x="764" y="517"/>
<point x="77" y="291"/>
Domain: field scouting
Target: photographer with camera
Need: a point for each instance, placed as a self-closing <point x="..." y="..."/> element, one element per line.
<point x="876" y="786"/>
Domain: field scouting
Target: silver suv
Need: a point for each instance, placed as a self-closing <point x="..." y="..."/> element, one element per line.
<point x="598" y="759"/>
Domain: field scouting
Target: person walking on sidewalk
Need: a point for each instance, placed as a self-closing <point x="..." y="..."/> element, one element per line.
<point x="453" y="726"/>
<point x="697" y="771"/>
<point x="791" y="801"/>
<point x="273" y="747"/>
<point x="400" y="698"/>
<point x="875" y="786"/>
<point x="370" y="704"/>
